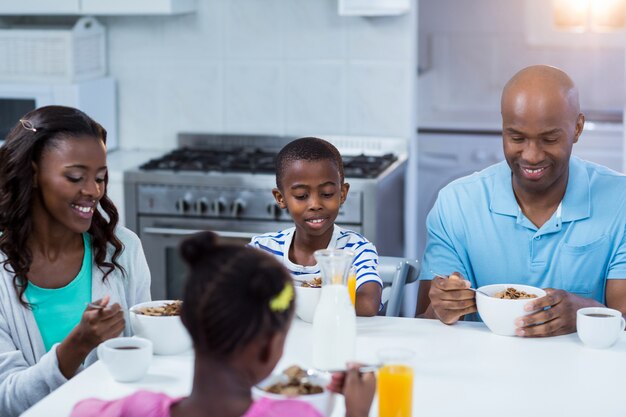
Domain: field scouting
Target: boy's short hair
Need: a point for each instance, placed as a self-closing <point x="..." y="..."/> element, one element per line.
<point x="307" y="149"/>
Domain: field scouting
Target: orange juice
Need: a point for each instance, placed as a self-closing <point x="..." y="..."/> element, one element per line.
<point x="352" y="286"/>
<point x="395" y="391"/>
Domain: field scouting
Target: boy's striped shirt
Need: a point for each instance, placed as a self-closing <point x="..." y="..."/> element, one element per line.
<point x="365" y="256"/>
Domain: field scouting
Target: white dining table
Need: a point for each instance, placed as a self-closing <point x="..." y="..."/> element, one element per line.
<point x="459" y="370"/>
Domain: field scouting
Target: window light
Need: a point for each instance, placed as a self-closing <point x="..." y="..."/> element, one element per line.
<point x="589" y="15"/>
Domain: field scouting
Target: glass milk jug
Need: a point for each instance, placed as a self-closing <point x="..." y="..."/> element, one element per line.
<point x="334" y="322"/>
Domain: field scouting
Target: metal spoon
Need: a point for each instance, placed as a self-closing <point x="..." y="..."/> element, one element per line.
<point x="470" y="288"/>
<point x="362" y="369"/>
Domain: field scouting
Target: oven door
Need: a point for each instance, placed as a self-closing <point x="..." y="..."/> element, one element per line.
<point x="161" y="236"/>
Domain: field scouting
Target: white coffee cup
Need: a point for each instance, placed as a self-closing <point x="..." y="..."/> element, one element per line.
<point x="599" y="327"/>
<point x="126" y="358"/>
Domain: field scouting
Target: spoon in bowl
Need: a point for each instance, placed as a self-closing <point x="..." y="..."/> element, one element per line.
<point x="362" y="369"/>
<point x="470" y="288"/>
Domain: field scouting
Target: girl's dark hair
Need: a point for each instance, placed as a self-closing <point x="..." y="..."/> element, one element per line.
<point x="226" y="301"/>
<point x="307" y="149"/>
<point x="37" y="131"/>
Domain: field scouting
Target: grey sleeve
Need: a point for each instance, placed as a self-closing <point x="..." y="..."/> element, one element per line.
<point x="138" y="288"/>
<point x="141" y="276"/>
<point x="22" y="385"/>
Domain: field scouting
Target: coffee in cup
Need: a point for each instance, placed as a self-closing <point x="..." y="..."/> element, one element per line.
<point x="126" y="358"/>
<point x="599" y="327"/>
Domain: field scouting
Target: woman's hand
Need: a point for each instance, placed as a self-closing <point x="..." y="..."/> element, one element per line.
<point x="357" y="388"/>
<point x="95" y="326"/>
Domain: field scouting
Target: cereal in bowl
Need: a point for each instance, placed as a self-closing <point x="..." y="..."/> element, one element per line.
<point x="297" y="384"/>
<point x="169" y="309"/>
<point x="314" y="283"/>
<point x="513" y="294"/>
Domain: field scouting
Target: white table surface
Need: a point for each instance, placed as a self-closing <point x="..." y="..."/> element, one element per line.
<point x="460" y="370"/>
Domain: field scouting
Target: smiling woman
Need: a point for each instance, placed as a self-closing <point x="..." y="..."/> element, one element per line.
<point x="60" y="249"/>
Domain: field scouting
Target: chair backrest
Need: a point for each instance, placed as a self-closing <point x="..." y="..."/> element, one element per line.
<point x="396" y="272"/>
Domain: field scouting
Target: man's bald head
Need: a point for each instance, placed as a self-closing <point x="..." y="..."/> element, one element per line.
<point x="541" y="121"/>
<point x="539" y="84"/>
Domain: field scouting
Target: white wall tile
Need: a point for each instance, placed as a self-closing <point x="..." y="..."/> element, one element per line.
<point x="316" y="98"/>
<point x="133" y="40"/>
<point x="191" y="98"/>
<point x="380" y="38"/>
<point x="139" y="122"/>
<point x="250" y="66"/>
<point x="253" y="29"/>
<point x="194" y="36"/>
<point x="314" y="30"/>
<point x="377" y="99"/>
<point x="254" y="97"/>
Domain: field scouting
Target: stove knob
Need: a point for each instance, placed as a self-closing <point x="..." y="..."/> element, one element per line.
<point x="182" y="205"/>
<point x="202" y="205"/>
<point x="274" y="210"/>
<point x="218" y="206"/>
<point x="238" y="206"/>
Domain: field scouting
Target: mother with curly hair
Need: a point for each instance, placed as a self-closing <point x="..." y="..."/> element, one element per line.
<point x="68" y="273"/>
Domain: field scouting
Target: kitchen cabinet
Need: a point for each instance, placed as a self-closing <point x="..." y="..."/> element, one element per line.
<point x="137" y="7"/>
<point x="32" y="7"/>
<point x="373" y="7"/>
<point x="602" y="143"/>
<point x="97" y="7"/>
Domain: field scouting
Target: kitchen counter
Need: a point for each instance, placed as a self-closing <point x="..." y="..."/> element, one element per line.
<point x="482" y="121"/>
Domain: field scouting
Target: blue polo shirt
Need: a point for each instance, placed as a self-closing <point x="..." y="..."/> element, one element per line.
<point x="477" y="228"/>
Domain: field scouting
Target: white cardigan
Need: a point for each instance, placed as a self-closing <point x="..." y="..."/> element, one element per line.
<point x="27" y="372"/>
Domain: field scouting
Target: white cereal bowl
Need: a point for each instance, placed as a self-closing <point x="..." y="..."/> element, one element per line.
<point x="323" y="402"/>
<point x="167" y="333"/>
<point x="306" y="302"/>
<point x="499" y="314"/>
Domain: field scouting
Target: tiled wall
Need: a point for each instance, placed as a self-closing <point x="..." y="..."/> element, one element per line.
<point x="272" y="66"/>
<point x="469" y="49"/>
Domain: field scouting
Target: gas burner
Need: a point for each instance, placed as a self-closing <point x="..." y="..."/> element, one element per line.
<point x="363" y="166"/>
<point x="255" y="161"/>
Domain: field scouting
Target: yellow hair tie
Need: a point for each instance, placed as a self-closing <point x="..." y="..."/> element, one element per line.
<point x="282" y="300"/>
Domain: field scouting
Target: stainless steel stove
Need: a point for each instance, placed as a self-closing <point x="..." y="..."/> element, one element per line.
<point x="224" y="182"/>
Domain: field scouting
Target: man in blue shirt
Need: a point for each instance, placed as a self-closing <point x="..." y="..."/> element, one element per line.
<point x="543" y="218"/>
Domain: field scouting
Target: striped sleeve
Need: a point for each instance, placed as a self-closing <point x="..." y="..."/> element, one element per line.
<point x="272" y="243"/>
<point x="365" y="257"/>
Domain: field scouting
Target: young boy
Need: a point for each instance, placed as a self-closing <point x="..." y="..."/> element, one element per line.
<point x="310" y="185"/>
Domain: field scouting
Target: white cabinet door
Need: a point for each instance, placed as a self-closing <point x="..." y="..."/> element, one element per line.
<point x="602" y="144"/>
<point x="137" y="7"/>
<point x="32" y="7"/>
<point x="96" y="7"/>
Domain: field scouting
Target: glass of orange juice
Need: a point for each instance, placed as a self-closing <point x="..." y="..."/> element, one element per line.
<point x="395" y="382"/>
<point x="352" y="285"/>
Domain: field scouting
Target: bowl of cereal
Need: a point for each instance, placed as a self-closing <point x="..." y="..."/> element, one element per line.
<point x="298" y="384"/>
<point x="159" y="322"/>
<point x="503" y="304"/>
<point x="307" y="296"/>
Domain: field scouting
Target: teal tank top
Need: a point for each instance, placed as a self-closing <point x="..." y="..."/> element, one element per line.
<point x="57" y="311"/>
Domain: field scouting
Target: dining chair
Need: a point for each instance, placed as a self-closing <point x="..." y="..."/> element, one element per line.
<point x="395" y="272"/>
